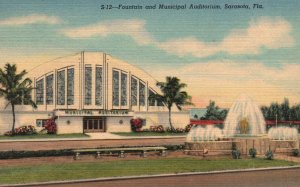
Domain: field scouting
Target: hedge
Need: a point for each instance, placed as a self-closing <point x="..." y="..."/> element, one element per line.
<point x="64" y="152"/>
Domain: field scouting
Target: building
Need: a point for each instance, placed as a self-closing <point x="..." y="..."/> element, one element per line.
<point x="90" y="92"/>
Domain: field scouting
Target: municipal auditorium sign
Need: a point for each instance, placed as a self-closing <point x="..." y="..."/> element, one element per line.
<point x="93" y="113"/>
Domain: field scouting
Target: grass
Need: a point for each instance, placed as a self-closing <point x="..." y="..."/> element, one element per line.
<point x="41" y="136"/>
<point x="85" y="170"/>
<point x="149" y="134"/>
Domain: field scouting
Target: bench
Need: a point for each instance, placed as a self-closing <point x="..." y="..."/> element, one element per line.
<point x="120" y="151"/>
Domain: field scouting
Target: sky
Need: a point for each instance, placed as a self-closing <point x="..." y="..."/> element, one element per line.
<point x="218" y="53"/>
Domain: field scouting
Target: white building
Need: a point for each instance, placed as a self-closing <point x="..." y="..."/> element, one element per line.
<point x="90" y="92"/>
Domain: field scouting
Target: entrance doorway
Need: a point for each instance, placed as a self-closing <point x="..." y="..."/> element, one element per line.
<point x="94" y="124"/>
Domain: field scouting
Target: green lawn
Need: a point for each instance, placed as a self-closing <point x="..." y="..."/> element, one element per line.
<point x="149" y="134"/>
<point x="37" y="136"/>
<point x="85" y="170"/>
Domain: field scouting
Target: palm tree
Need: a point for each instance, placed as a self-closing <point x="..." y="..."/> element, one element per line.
<point x="172" y="94"/>
<point x="15" y="89"/>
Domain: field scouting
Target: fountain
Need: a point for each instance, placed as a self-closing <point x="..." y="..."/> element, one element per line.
<point x="244" y="128"/>
<point x="283" y="139"/>
<point x="244" y="117"/>
<point x="283" y="133"/>
<point x="207" y="139"/>
<point x="209" y="133"/>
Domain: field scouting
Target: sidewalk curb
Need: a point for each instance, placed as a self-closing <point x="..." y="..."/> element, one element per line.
<point x="89" y="139"/>
<point x="151" y="176"/>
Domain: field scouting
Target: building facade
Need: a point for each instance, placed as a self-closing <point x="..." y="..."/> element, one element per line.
<point x="90" y="92"/>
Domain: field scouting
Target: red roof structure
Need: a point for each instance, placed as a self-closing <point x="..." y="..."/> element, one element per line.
<point x="216" y="122"/>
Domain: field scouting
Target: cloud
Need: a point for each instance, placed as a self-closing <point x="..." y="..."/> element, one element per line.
<point x="30" y="19"/>
<point x="188" y="46"/>
<point x="262" y="32"/>
<point x="134" y="28"/>
<point x="223" y="81"/>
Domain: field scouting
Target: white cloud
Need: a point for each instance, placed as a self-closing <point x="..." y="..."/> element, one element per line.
<point x="188" y="46"/>
<point x="262" y="32"/>
<point x="134" y="28"/>
<point x="223" y="81"/>
<point x="30" y="19"/>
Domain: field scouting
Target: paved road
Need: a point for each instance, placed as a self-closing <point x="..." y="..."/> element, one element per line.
<point x="74" y="144"/>
<point x="270" y="178"/>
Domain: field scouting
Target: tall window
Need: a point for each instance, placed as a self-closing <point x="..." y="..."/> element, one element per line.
<point x="116" y="88"/>
<point x="40" y="92"/>
<point x="70" y="86"/>
<point x="134" y="91"/>
<point x="123" y="89"/>
<point x="49" y="89"/>
<point x="151" y="99"/>
<point x="88" y="86"/>
<point x="61" y="87"/>
<point x="142" y="96"/>
<point x="99" y="88"/>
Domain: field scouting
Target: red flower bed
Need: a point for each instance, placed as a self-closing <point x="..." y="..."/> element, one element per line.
<point x="50" y="126"/>
<point x="136" y="124"/>
<point x="23" y="130"/>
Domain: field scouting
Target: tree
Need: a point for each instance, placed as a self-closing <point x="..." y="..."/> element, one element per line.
<point x="281" y="112"/>
<point x="285" y="110"/>
<point x="15" y="89"/>
<point x="213" y="112"/>
<point x="172" y="94"/>
<point x="195" y="116"/>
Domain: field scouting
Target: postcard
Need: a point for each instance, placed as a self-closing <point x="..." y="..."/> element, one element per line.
<point x="149" y="93"/>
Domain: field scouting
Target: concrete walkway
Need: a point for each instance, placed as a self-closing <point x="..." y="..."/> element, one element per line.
<point x="103" y="136"/>
<point x="92" y="136"/>
<point x="110" y="136"/>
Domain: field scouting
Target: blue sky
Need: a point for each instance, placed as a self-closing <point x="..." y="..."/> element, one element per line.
<point x="218" y="53"/>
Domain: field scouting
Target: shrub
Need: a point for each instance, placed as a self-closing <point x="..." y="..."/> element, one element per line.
<point x="269" y="155"/>
<point x="50" y="126"/>
<point x="23" y="130"/>
<point x="174" y="147"/>
<point x="180" y="130"/>
<point x="295" y="152"/>
<point x="136" y="124"/>
<point x="252" y="152"/>
<point x="177" y="130"/>
<point x="158" y="128"/>
<point x="40" y="153"/>
<point x="188" y="127"/>
<point x="146" y="130"/>
<point x="169" y="129"/>
<point x="236" y="154"/>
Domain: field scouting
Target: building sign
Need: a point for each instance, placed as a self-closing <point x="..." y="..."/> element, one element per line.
<point x="93" y="113"/>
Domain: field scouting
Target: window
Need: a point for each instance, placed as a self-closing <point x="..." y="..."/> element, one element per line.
<point x="61" y="87"/>
<point x="70" y="86"/>
<point x="123" y="89"/>
<point x="41" y="122"/>
<point x="151" y="99"/>
<point x="88" y="86"/>
<point x="99" y="88"/>
<point x="133" y="92"/>
<point x="40" y="92"/>
<point x="49" y="89"/>
<point x="142" y="96"/>
<point x="116" y="88"/>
